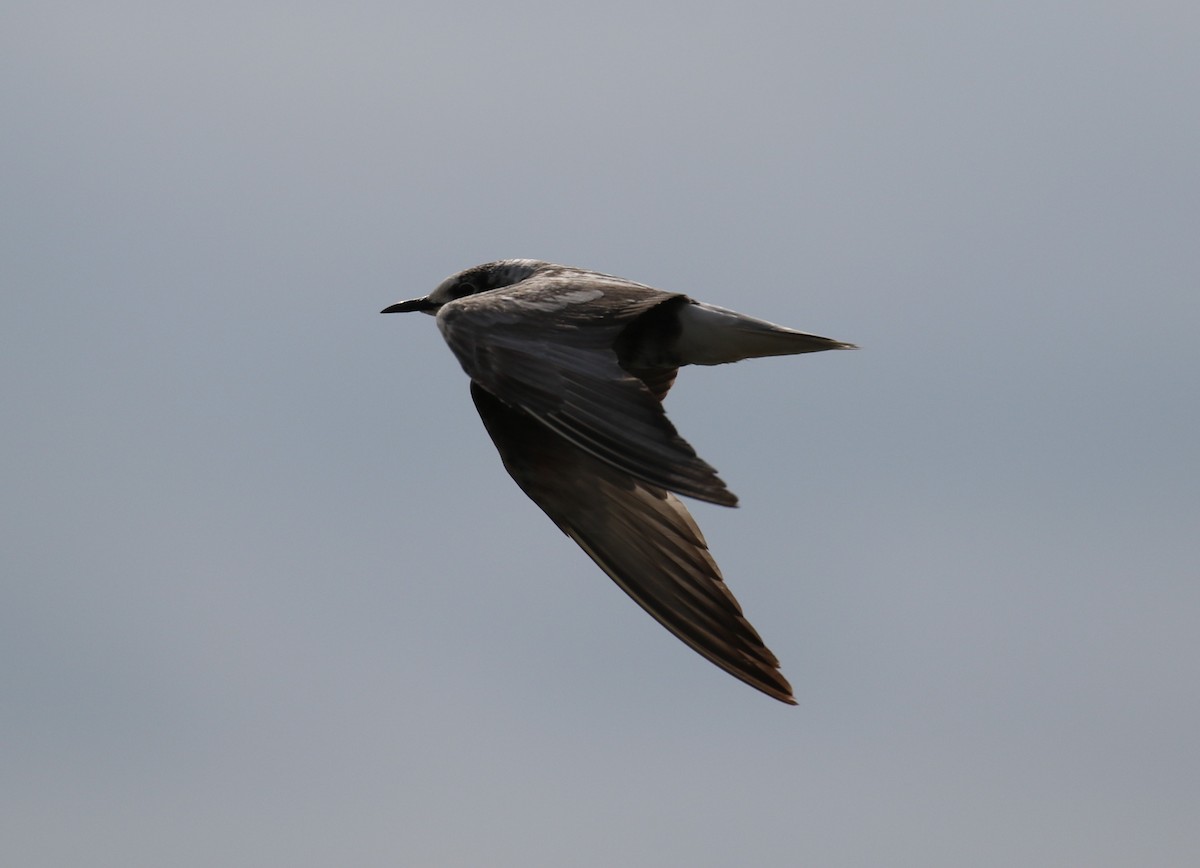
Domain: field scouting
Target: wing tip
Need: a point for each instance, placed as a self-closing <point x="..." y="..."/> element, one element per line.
<point x="723" y="497"/>
<point x="782" y="692"/>
<point x="768" y="681"/>
<point x="710" y="489"/>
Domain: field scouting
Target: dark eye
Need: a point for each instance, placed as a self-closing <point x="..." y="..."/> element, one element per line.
<point x="464" y="289"/>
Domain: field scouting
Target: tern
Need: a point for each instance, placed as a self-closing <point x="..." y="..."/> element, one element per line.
<point x="568" y="371"/>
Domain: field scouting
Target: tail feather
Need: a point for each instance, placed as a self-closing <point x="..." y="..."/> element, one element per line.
<point x="712" y="335"/>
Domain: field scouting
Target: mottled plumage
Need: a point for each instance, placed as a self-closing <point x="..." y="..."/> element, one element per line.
<point x="568" y="371"/>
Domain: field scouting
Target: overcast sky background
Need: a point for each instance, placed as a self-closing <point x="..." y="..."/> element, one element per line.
<point x="269" y="598"/>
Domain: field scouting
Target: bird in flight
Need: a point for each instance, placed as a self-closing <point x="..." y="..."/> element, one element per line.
<point x="568" y="371"/>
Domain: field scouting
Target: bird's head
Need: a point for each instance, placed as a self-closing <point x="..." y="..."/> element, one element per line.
<point x="480" y="278"/>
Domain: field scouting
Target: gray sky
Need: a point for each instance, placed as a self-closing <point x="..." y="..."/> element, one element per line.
<point x="270" y="599"/>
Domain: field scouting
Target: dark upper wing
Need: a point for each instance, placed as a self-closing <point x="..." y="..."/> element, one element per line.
<point x="546" y="346"/>
<point x="639" y="534"/>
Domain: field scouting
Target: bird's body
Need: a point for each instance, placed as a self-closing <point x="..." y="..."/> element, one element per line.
<point x="568" y="371"/>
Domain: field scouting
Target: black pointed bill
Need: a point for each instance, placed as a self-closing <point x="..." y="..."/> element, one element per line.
<point x="421" y="304"/>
